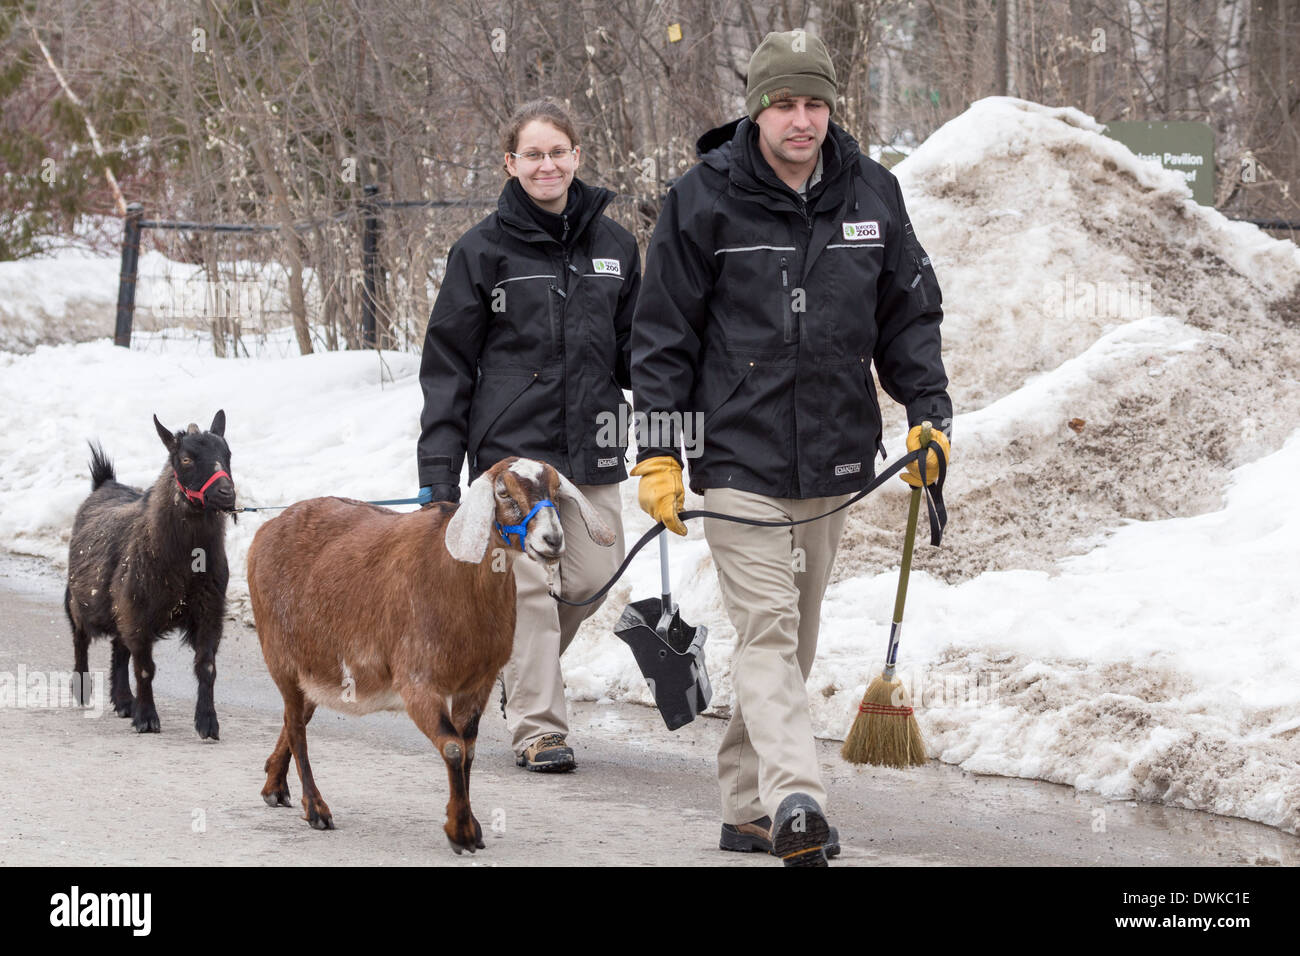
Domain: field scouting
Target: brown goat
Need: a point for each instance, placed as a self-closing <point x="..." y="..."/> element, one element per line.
<point x="359" y="608"/>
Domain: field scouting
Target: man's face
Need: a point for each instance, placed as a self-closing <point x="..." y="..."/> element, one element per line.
<point x="793" y="128"/>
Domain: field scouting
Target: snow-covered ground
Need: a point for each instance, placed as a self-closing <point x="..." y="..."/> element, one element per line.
<point x="1112" y="607"/>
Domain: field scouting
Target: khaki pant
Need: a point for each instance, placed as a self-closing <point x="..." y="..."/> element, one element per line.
<point x="772" y="582"/>
<point x="545" y="628"/>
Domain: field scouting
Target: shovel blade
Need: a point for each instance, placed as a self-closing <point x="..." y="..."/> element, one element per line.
<point x="670" y="654"/>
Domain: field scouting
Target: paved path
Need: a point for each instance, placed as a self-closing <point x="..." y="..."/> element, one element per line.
<point x="88" y="790"/>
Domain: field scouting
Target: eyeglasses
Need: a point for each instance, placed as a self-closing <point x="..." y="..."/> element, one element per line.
<point x="558" y="155"/>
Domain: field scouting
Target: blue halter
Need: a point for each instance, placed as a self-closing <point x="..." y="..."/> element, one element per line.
<point x="521" y="529"/>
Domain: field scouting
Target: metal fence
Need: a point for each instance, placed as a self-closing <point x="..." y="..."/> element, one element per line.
<point x="368" y="273"/>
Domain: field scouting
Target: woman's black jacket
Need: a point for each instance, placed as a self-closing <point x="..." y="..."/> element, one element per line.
<point x="526" y="351"/>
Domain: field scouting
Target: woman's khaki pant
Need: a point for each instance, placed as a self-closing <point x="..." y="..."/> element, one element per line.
<point x="545" y="628"/>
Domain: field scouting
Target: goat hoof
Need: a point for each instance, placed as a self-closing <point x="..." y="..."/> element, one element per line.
<point x="471" y="841"/>
<point x="277" y="798"/>
<point x="459" y="848"/>
<point x="146" y="724"/>
<point x="124" y="708"/>
<point x="320" y="821"/>
<point x="207" y="726"/>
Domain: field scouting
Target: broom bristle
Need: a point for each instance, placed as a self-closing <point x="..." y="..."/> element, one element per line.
<point x="885" y="732"/>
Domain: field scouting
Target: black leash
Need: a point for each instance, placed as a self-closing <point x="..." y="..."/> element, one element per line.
<point x="933" y="503"/>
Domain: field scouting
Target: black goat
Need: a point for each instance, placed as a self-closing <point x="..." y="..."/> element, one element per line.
<point x="143" y="563"/>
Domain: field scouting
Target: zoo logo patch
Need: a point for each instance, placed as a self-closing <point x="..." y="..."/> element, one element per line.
<point x="862" y="230"/>
<point x="606" y="267"/>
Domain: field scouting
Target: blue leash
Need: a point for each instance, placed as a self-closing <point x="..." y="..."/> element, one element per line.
<point x="520" y="530"/>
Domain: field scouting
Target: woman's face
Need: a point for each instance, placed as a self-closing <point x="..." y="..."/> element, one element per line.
<point x="546" y="180"/>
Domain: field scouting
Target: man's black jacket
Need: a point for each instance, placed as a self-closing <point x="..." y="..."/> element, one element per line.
<point x="763" y="313"/>
<point x="526" y="351"/>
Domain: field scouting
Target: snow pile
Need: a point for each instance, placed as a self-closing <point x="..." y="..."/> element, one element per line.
<point x="1048" y="239"/>
<point x="68" y="297"/>
<point x="1112" y="605"/>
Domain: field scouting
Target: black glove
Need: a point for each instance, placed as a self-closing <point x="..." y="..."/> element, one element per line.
<point x="435" y="493"/>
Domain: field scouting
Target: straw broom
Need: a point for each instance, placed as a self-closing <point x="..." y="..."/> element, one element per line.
<point x="885" y="732"/>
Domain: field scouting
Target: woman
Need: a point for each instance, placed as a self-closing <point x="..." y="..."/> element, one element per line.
<point x="527" y="354"/>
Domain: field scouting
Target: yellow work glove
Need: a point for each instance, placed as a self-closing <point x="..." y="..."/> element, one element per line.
<point x="912" y="474"/>
<point x="660" y="493"/>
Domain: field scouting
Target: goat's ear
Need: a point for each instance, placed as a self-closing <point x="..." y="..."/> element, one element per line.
<point x="597" y="530"/>
<point x="219" y="423"/>
<point x="167" y="437"/>
<point x="468" y="530"/>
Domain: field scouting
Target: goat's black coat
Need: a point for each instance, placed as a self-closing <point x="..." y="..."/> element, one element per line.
<point x="143" y="563"/>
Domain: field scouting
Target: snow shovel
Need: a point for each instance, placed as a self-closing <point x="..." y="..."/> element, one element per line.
<point x="669" y="651"/>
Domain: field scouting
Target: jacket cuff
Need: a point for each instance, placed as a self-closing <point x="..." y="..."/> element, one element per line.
<point x="645" y="453"/>
<point x="438" y="470"/>
<point x="941" y="420"/>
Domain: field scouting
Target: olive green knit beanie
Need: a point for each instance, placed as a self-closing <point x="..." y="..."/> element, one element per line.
<point x="789" y="64"/>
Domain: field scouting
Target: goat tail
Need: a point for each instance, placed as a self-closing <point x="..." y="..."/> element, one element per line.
<point x="101" y="469"/>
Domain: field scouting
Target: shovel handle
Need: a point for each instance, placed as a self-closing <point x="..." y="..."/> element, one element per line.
<point x="664" y="584"/>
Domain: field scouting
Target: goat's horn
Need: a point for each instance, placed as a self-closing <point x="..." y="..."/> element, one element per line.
<point x="193" y="429"/>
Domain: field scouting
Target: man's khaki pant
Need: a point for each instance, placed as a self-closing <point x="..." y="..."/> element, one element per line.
<point x="772" y="582"/>
<point x="545" y="628"/>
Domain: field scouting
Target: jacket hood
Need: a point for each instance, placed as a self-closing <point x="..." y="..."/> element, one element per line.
<point x="592" y="201"/>
<point x="718" y="138"/>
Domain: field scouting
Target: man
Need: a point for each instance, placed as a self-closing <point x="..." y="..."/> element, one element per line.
<point x="782" y="266"/>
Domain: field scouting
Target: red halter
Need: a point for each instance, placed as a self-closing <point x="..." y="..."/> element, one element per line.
<point x="198" y="495"/>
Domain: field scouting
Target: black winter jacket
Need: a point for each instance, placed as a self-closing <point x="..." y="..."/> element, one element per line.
<point x="762" y="313"/>
<point x="526" y="351"/>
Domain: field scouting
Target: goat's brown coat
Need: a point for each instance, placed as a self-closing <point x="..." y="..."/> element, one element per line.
<point x="359" y="608"/>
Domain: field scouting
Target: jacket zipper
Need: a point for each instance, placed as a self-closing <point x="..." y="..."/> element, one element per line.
<point x="790" y="338"/>
<point x="803" y="209"/>
<point x="564" y="365"/>
<point x="787" y="312"/>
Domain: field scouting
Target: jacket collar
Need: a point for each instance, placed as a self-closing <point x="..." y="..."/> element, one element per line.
<point x="733" y="149"/>
<point x="592" y="201"/>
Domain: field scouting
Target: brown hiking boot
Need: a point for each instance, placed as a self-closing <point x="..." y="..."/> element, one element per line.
<point x="755" y="837"/>
<point x="547" y="754"/>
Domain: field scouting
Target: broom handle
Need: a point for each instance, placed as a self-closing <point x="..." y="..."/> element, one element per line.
<point x="913" y="511"/>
